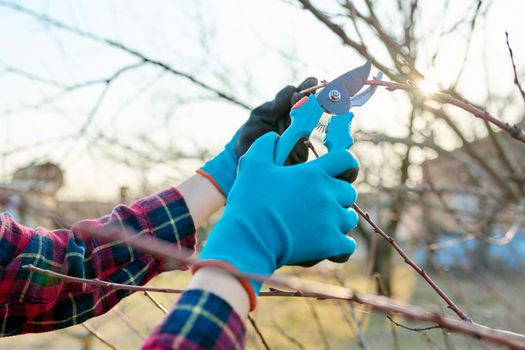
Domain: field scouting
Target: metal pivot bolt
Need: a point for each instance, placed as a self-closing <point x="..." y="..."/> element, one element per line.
<point x="334" y="95"/>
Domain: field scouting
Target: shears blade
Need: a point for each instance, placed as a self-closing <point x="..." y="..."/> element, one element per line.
<point x="361" y="98"/>
<point x="335" y="97"/>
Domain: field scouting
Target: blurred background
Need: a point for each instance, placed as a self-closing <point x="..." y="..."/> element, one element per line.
<point x="102" y="102"/>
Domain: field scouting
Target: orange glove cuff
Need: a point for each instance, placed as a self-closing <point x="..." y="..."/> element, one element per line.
<point x="211" y="179"/>
<point x="245" y="283"/>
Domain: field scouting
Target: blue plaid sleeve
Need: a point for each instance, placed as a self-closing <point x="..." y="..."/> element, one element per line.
<point x="199" y="320"/>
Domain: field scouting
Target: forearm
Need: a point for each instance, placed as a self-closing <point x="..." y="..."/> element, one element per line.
<point x="202" y="198"/>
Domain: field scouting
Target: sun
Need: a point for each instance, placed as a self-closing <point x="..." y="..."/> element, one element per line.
<point x="429" y="86"/>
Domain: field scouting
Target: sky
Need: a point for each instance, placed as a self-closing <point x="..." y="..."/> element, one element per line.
<point x="252" y="48"/>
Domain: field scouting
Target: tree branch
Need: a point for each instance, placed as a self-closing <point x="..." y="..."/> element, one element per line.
<point x="514" y="131"/>
<point x="451" y="305"/>
<point x="516" y="80"/>
<point x="117" y="45"/>
<point x="360" y="48"/>
<point x="324" y="291"/>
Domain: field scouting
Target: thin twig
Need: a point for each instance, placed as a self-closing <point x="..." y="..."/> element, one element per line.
<point x="354" y="321"/>
<point x="30" y="76"/>
<point x="433" y="344"/>
<point x="100" y="283"/>
<point x="493" y="289"/>
<point x="451" y="281"/>
<point x="258" y="331"/>
<point x="405" y="256"/>
<point x="502" y="240"/>
<point x="120" y="46"/>
<point x="347" y="40"/>
<point x="322" y="84"/>
<point x="361" y="339"/>
<point x="393" y="329"/>
<point x="412" y="263"/>
<point x="156" y="302"/>
<point x="514" y="131"/>
<point x="309" y="144"/>
<point x="96" y="282"/>
<point x="287" y="336"/>
<point x="98" y="336"/>
<point x="422" y="329"/>
<point x="516" y="80"/>
<point x="320" y="327"/>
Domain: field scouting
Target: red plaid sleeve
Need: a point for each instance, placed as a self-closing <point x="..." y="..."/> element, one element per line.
<point x="32" y="302"/>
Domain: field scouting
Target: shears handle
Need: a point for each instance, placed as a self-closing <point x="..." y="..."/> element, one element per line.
<point x="339" y="136"/>
<point x="305" y="115"/>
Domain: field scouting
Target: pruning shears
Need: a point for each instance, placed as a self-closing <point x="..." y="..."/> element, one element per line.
<point x="336" y="98"/>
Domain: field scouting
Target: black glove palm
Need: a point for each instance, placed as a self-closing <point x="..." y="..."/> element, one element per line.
<point x="275" y="116"/>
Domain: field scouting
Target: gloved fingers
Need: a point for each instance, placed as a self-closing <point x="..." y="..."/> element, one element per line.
<point x="349" y="220"/>
<point x="346" y="246"/>
<point x="345" y="193"/>
<point x="282" y="103"/>
<point x="263" y="119"/>
<point x="271" y="111"/>
<point x="341" y="258"/>
<point x="349" y="175"/>
<point x="350" y="245"/>
<point x="280" y="106"/>
<point x="335" y="163"/>
<point x="299" y="153"/>
<point x="262" y="149"/>
<point x="307" y="83"/>
<point x="337" y="246"/>
<point x="270" y="116"/>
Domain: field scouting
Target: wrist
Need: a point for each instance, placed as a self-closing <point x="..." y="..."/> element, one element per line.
<point x="201" y="197"/>
<point x="218" y="281"/>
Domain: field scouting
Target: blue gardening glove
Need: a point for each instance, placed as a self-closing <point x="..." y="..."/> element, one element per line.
<point x="222" y="170"/>
<point x="282" y="215"/>
<point x="273" y="115"/>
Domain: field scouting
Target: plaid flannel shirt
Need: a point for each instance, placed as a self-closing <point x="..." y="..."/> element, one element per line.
<point x="32" y="302"/>
<point x="199" y="320"/>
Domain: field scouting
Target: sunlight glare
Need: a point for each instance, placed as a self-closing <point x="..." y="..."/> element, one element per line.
<point x="428" y="86"/>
